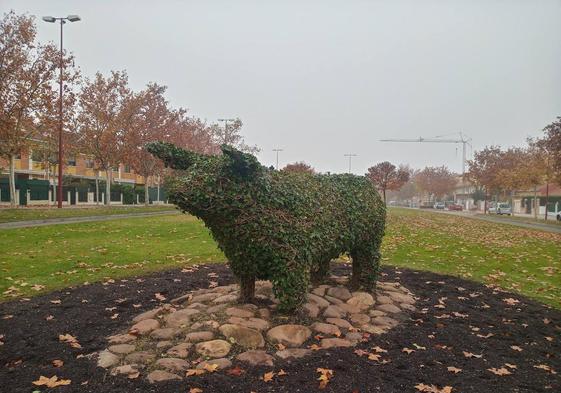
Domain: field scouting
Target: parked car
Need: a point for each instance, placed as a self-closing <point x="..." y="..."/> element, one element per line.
<point x="439" y="205"/>
<point x="500" y="208"/>
<point x="559" y="217"/>
<point x="455" y="207"/>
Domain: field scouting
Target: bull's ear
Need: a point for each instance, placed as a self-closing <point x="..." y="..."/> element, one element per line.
<point x="242" y="164"/>
<point x="172" y="156"/>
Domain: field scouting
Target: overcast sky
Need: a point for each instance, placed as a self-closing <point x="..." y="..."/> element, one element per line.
<point x="323" y="78"/>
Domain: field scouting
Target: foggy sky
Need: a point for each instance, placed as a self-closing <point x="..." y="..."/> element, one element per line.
<point x="323" y="78"/>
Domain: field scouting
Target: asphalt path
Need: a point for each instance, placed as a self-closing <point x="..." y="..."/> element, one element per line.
<point x="73" y="220"/>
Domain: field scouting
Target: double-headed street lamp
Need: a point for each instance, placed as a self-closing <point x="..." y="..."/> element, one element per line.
<point x="277" y="151"/>
<point x="52" y="19"/>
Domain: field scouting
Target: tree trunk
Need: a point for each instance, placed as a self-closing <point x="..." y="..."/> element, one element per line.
<point x="512" y="203"/>
<point x="536" y="205"/>
<point x="485" y="203"/>
<point x="384" y="192"/>
<point x="247" y="289"/>
<point x="546" y="198"/>
<point x="12" y="181"/>
<point x="146" y="194"/>
<point x="97" y="187"/>
<point x="108" y="187"/>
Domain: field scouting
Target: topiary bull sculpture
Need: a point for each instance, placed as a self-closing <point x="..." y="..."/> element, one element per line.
<point x="278" y="226"/>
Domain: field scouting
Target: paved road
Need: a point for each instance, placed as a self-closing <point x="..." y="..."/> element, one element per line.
<point x="73" y="220"/>
<point x="506" y="220"/>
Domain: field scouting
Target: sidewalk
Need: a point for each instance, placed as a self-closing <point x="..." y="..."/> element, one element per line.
<point x="73" y="220"/>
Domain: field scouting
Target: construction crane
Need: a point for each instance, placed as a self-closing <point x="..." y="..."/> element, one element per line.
<point x="464" y="140"/>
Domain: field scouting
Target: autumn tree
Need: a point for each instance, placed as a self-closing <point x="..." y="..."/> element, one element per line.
<point x="436" y="181"/>
<point x="104" y="113"/>
<point x="150" y="117"/>
<point x="299" y="167"/>
<point x="386" y="176"/>
<point x="483" y="168"/>
<point x="551" y="144"/>
<point x="27" y="72"/>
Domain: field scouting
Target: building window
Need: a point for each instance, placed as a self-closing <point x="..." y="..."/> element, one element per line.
<point x="89" y="163"/>
<point x="127" y="169"/>
<point x="71" y="161"/>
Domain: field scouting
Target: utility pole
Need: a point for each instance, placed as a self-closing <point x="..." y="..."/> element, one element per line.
<point x="350" y="155"/>
<point x="51" y="19"/>
<point x="225" y="141"/>
<point x="277" y="151"/>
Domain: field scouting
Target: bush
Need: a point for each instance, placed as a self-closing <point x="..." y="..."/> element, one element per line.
<point x="278" y="226"/>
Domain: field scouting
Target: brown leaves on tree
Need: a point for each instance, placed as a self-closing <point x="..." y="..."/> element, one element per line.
<point x="51" y="382"/>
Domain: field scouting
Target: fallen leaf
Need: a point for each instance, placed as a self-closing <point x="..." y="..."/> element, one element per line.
<point x="419" y="347"/>
<point x="510" y="301"/>
<point x="70" y="340"/>
<point x="454" y="370"/>
<point x="57" y="301"/>
<point x="546" y="368"/>
<point x="407" y="350"/>
<point x="236" y="371"/>
<point x="326" y="375"/>
<point x="159" y="296"/>
<point x="282" y="372"/>
<point x="499" y="371"/>
<point x="374" y="356"/>
<point x="268" y="377"/>
<point x="51" y="382"/>
<point x="511" y="365"/>
<point x="516" y="348"/>
<point x="49" y="318"/>
<point x="471" y="355"/>
<point x="210" y="367"/>
<point x="281" y="347"/>
<point x="432" y="388"/>
<point x="195" y="371"/>
<point x="195" y="390"/>
<point x="377" y="349"/>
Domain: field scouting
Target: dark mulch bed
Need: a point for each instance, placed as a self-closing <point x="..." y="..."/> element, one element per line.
<point x="31" y="342"/>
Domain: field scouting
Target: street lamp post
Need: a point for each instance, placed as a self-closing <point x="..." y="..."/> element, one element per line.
<point x="51" y="19"/>
<point x="277" y="151"/>
<point x="350" y="155"/>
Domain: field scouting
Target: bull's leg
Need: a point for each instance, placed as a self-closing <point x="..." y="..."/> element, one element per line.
<point x="319" y="273"/>
<point x="290" y="285"/>
<point x="366" y="265"/>
<point x="247" y="288"/>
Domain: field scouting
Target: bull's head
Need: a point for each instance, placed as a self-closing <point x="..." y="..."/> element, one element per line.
<point x="207" y="183"/>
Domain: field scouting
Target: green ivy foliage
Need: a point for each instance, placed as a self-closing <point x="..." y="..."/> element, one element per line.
<point x="278" y="226"/>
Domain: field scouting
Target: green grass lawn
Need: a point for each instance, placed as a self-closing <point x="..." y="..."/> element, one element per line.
<point x="551" y="220"/>
<point x="513" y="258"/>
<point x="35" y="260"/>
<point x="22" y="214"/>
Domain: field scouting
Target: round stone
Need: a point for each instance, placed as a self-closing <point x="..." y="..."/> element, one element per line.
<point x="372" y="329"/>
<point x="334" y="311"/>
<point x="122" y="349"/>
<point x="161" y="376"/>
<point x="384" y="322"/>
<point x="264" y="313"/>
<point x="151" y="314"/>
<point x="335" y="342"/>
<point x="341" y="293"/>
<point x="351" y="309"/>
<point x="252" y="323"/>
<point x="289" y="335"/>
<point x="180" y="350"/>
<point x="321" y="302"/>
<point x="164" y="334"/>
<point x="164" y="344"/>
<point x="199" y="306"/>
<point x="215" y="309"/>
<point x="246" y="337"/>
<point x="293" y="353"/>
<point x="107" y="359"/>
<point x="326" y="328"/>
<point x="173" y="364"/>
<point x="121" y="339"/>
<point x="377" y="313"/>
<point x="204" y="298"/>
<point x="360" y="319"/>
<point x="388" y="308"/>
<point x="256" y="358"/>
<point x="239" y="312"/>
<point x="205" y="325"/>
<point x="141" y="357"/>
<point x="342" y="323"/>
<point x="225" y="299"/>
<point x="126" y="369"/>
<point x="144" y="327"/>
<point x="383" y="300"/>
<point x="408" y="307"/>
<point x="362" y="300"/>
<point x="401" y="298"/>
<point x="334" y="300"/>
<point x="353" y="336"/>
<point x="222" y="363"/>
<point x="195" y="337"/>
<point x="181" y="317"/>
<point x="311" y="309"/>
<point x="213" y="348"/>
